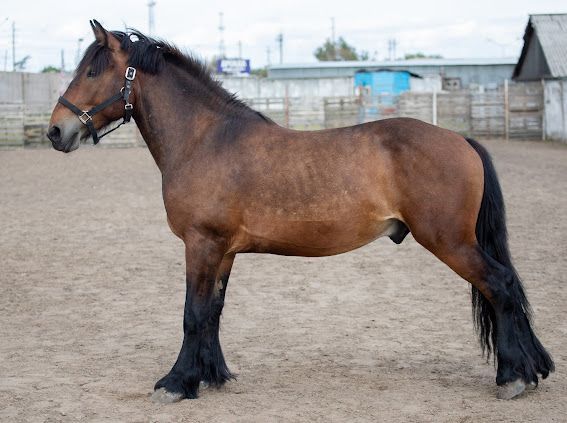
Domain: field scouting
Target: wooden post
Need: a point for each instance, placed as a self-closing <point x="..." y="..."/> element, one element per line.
<point x="434" y="107"/>
<point x="286" y="106"/>
<point x="543" y="123"/>
<point x="506" y="110"/>
<point x="564" y="134"/>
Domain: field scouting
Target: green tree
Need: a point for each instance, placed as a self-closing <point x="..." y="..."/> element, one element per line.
<point x="341" y="50"/>
<point x="420" y="55"/>
<point x="259" y="72"/>
<point x="50" y="69"/>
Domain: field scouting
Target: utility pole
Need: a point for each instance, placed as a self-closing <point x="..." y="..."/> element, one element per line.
<point x="279" y="40"/>
<point x="13" y="46"/>
<point x="333" y="31"/>
<point x="334" y="40"/>
<point x="222" y="53"/>
<point x="240" y="49"/>
<point x="151" y="22"/>
<point x="62" y="60"/>
<point x="268" y="56"/>
<point x="78" y="55"/>
<point x="394" y="45"/>
<point x="392" y="48"/>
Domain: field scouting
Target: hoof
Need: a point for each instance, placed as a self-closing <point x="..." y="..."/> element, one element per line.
<point x="511" y="389"/>
<point x="164" y="397"/>
<point x="531" y="386"/>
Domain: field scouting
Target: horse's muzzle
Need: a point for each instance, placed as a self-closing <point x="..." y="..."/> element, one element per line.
<point x="61" y="142"/>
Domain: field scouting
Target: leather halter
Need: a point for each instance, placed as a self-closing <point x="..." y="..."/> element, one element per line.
<point x="86" y="116"/>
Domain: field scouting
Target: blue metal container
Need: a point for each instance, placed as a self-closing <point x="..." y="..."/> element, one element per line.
<point x="383" y="83"/>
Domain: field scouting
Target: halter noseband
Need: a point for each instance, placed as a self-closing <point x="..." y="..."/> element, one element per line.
<point x="86" y="116"/>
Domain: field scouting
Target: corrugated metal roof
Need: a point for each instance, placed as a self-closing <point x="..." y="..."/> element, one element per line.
<point x="399" y="63"/>
<point x="551" y="31"/>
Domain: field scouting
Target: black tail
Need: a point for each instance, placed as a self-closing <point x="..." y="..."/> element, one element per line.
<point x="492" y="237"/>
<point x="526" y="356"/>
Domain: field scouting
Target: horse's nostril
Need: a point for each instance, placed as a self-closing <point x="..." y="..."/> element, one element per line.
<point x="54" y="134"/>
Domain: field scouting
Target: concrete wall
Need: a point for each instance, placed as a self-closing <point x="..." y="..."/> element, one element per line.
<point x="32" y="88"/>
<point x="555" y="106"/>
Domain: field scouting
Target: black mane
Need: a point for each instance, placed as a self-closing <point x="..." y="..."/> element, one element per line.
<point x="150" y="55"/>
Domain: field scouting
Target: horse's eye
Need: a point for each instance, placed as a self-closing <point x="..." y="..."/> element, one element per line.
<point x="90" y="74"/>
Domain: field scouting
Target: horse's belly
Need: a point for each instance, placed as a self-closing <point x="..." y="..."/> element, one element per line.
<point x="310" y="238"/>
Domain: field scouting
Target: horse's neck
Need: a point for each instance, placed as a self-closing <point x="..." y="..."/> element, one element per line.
<point x="170" y="120"/>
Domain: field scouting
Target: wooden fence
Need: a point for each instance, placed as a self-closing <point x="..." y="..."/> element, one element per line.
<point x="26" y="125"/>
<point x="512" y="111"/>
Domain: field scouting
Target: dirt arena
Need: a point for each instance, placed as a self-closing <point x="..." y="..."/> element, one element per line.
<point x="92" y="290"/>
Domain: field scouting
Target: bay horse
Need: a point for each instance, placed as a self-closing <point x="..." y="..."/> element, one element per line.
<point x="236" y="182"/>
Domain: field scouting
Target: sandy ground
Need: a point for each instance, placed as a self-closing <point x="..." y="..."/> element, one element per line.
<point x="92" y="288"/>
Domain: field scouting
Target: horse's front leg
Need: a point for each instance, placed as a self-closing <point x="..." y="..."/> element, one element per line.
<point x="218" y="373"/>
<point x="196" y="359"/>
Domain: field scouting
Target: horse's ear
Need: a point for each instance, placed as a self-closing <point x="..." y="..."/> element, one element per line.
<point x="99" y="32"/>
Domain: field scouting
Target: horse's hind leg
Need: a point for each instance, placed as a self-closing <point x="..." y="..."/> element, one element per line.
<point x="501" y="314"/>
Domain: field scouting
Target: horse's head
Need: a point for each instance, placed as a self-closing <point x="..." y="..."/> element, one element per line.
<point x="99" y="94"/>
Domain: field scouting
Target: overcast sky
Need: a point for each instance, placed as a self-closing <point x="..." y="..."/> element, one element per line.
<point x="454" y="29"/>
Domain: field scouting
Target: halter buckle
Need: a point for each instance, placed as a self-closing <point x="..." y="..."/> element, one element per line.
<point x="84" y="119"/>
<point x="130" y="73"/>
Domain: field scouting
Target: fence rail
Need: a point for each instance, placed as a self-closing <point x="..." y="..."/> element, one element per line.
<point x="513" y="111"/>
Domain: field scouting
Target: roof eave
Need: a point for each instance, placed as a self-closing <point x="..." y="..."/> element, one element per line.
<point x="527" y="36"/>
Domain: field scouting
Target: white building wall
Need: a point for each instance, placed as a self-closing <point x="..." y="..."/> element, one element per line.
<point x="264" y="87"/>
<point x="428" y="84"/>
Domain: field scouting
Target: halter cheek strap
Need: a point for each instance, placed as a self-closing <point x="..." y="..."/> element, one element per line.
<point x="86" y="116"/>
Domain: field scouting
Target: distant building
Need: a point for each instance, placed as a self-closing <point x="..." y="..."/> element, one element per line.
<point x="454" y="73"/>
<point x="544" y="57"/>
